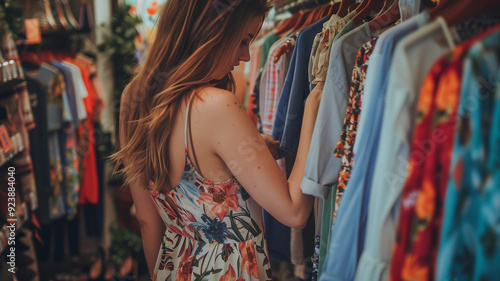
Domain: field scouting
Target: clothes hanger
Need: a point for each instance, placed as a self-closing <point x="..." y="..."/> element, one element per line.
<point x="391" y="15"/>
<point x="353" y="7"/>
<point x="383" y="9"/>
<point x="49" y="15"/>
<point x="301" y="21"/>
<point x="333" y="9"/>
<point x="361" y="5"/>
<point x="69" y="14"/>
<point x="287" y="25"/>
<point x="57" y="9"/>
<point x="370" y="6"/>
<point x="344" y="6"/>
<point x="465" y="9"/>
<point x="323" y="11"/>
<point x="315" y="15"/>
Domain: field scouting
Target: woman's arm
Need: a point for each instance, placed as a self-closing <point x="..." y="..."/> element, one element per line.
<point x="152" y="226"/>
<point x="236" y="141"/>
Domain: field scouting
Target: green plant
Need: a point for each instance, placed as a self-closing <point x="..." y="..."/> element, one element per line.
<point x="11" y="17"/>
<point x="123" y="242"/>
<point x="119" y="46"/>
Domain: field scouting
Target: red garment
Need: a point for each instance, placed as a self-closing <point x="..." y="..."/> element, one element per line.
<point x="91" y="68"/>
<point x="417" y="237"/>
<point x="89" y="192"/>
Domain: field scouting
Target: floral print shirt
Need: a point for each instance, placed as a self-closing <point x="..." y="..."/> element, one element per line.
<point x="469" y="248"/>
<point x="344" y="148"/>
<point x="213" y="233"/>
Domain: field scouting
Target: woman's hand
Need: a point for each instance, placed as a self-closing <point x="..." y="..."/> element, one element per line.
<point x="272" y="144"/>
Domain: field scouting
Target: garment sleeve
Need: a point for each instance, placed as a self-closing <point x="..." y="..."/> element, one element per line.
<point x="322" y="166"/>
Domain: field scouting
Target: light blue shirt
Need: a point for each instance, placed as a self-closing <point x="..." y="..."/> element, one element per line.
<point x="366" y="148"/>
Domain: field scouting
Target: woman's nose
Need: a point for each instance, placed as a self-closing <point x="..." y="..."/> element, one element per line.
<point x="246" y="55"/>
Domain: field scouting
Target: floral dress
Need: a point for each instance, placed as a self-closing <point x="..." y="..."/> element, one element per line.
<point x="215" y="233"/>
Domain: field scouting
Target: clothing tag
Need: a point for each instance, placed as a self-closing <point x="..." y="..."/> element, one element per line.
<point x="33" y="31"/>
<point x="5" y="140"/>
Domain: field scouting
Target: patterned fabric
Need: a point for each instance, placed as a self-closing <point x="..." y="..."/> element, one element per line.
<point x="67" y="138"/>
<point x="49" y="79"/>
<point x="320" y="53"/>
<point x="345" y="145"/>
<point x="270" y="87"/>
<point x="415" y="249"/>
<point x="469" y="248"/>
<point x="210" y="234"/>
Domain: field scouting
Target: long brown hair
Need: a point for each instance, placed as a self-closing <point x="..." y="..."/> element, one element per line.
<point x="194" y="41"/>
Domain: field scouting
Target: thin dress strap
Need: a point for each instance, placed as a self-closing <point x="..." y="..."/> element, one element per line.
<point x="187" y="119"/>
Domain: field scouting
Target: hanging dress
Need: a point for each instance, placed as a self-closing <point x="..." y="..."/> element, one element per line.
<point x="216" y="232"/>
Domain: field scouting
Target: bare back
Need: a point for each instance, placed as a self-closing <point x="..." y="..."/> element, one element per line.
<point x="200" y="147"/>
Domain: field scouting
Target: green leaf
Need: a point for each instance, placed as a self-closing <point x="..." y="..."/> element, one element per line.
<point x="199" y="278"/>
<point x="234" y="228"/>
<point x="215" y="271"/>
<point x="248" y="227"/>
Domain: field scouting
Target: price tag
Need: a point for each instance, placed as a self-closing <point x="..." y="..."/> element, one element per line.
<point x="5" y="140"/>
<point x="33" y="31"/>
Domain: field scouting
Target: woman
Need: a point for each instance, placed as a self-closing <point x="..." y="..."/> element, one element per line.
<point x="188" y="149"/>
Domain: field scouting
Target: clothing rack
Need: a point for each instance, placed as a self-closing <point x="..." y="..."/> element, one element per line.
<point x="297" y="5"/>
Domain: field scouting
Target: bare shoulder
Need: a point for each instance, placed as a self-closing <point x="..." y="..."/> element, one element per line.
<point x="218" y="103"/>
<point x="212" y="96"/>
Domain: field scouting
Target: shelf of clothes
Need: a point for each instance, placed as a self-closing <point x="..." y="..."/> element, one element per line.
<point x="15" y="120"/>
<point x="404" y="154"/>
<point x="51" y="118"/>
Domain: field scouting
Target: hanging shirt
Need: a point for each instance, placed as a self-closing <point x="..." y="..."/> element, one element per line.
<point x="288" y="119"/>
<point x="40" y="152"/>
<point x="320" y="53"/>
<point x="467" y="249"/>
<point x="347" y="238"/>
<point x="415" y="250"/>
<point x="79" y="89"/>
<point x="48" y="77"/>
<point x="70" y="90"/>
<point x="68" y="142"/>
<point x="368" y="138"/>
<point x="266" y="47"/>
<point x="91" y="67"/>
<point x="346" y="29"/>
<point x="271" y="84"/>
